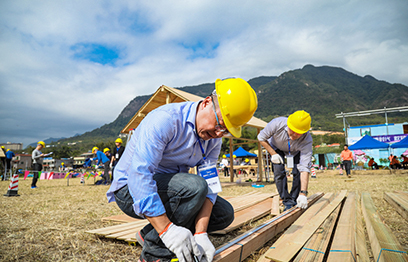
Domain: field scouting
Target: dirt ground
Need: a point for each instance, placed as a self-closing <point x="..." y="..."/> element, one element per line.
<point x="49" y="223"/>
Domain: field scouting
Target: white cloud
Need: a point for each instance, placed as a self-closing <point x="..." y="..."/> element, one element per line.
<point x="176" y="43"/>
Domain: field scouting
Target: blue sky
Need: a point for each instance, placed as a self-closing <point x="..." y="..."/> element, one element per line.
<point x="68" y="67"/>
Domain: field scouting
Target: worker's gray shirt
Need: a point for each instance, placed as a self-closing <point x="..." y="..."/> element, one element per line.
<point x="276" y="134"/>
<point x="37" y="159"/>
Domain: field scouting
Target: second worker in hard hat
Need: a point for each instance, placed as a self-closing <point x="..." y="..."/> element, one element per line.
<point x="289" y="137"/>
<point x="117" y="153"/>
<point x="102" y="159"/>
<point x="152" y="180"/>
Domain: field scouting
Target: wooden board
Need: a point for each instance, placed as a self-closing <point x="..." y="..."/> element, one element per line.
<point x="247" y="245"/>
<point x="247" y="215"/>
<point x="315" y="248"/>
<point x="120" y="218"/>
<point x="384" y="244"/>
<point x="399" y="201"/>
<point x="286" y="247"/>
<point x="343" y="247"/>
<point x="117" y="228"/>
<point x="361" y="246"/>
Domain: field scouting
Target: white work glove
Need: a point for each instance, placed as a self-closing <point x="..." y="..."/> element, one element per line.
<point x="302" y="201"/>
<point x="181" y="242"/>
<point x="277" y="159"/>
<point x="205" y="246"/>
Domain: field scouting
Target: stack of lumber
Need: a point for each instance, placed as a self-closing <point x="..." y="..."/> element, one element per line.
<point x="333" y="230"/>
<point x="242" y="246"/>
<point x="247" y="208"/>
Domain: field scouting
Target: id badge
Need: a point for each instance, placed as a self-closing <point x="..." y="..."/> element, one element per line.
<point x="117" y="155"/>
<point x="289" y="161"/>
<point x="209" y="172"/>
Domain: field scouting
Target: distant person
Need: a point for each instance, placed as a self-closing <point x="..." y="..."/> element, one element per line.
<point x="347" y="159"/>
<point x="224" y="165"/>
<point x="372" y="164"/>
<point x="102" y="160"/>
<point x="245" y="162"/>
<point x="290" y="137"/>
<point x="395" y="163"/>
<point x="390" y="158"/>
<point x="108" y="154"/>
<point x="9" y="156"/>
<point x="404" y="163"/>
<point x="117" y="153"/>
<point x="62" y="167"/>
<point x="37" y="158"/>
<point x="3" y="162"/>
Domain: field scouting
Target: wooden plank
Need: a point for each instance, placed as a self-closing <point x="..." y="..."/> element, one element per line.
<point x="343" y="247"/>
<point x="247" y="215"/>
<point x="384" y="244"/>
<point x="399" y="202"/>
<point x="275" y="206"/>
<point x="290" y="243"/>
<point x="361" y="246"/>
<point x="247" y="245"/>
<point x="119" y="218"/>
<point x="315" y="248"/>
<point x="117" y="228"/>
<point x="244" y="202"/>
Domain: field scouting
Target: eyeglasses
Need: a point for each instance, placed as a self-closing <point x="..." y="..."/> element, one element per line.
<point x="218" y="127"/>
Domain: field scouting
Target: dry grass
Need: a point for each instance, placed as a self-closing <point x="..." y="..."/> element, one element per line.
<point x="48" y="223"/>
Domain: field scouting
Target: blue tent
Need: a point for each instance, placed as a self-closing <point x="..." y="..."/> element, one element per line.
<point x="401" y="144"/>
<point x="367" y="142"/>
<point x="240" y="152"/>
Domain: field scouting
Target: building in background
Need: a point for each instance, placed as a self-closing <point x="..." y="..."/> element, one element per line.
<point x="12" y="146"/>
<point x="22" y="161"/>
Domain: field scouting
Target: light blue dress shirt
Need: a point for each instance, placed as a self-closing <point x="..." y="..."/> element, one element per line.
<point x="165" y="142"/>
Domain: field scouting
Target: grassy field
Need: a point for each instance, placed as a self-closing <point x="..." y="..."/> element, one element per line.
<point x="49" y="223"/>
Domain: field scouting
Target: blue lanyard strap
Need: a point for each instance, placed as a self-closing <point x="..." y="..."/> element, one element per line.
<point x="201" y="146"/>
<point x="288" y="144"/>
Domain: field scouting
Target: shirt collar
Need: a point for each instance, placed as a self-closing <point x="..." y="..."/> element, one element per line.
<point x="192" y="114"/>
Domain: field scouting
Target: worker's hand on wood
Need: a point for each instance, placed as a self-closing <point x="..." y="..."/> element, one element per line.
<point x="302" y="201"/>
<point x="181" y="242"/>
<point x="276" y="159"/>
<point x="205" y="246"/>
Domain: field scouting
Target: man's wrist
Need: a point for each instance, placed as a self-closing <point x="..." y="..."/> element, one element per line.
<point x="303" y="192"/>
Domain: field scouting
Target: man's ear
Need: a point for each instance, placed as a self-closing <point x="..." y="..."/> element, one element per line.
<point x="206" y="102"/>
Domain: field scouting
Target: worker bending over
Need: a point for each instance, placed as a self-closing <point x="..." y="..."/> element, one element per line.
<point x="289" y="137"/>
<point x="151" y="180"/>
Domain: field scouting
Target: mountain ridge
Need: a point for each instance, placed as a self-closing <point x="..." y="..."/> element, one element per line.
<point x="322" y="91"/>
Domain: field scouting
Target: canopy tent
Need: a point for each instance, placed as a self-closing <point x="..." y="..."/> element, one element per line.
<point x="401" y="144"/>
<point x="240" y="152"/>
<point x="367" y="142"/>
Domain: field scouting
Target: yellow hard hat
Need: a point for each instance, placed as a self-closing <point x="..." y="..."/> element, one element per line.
<point x="41" y="143"/>
<point x="8" y="149"/>
<point x="299" y="122"/>
<point x="119" y="140"/>
<point x="238" y="103"/>
<point x="2" y="147"/>
<point x="246" y="160"/>
<point x="224" y="156"/>
<point x="106" y="150"/>
<point x="94" y="148"/>
<point x="62" y="163"/>
<point x="234" y="156"/>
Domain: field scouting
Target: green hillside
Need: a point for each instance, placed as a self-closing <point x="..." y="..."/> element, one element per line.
<point x="321" y="91"/>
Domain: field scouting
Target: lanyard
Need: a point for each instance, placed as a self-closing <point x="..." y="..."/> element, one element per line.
<point x="202" y="149"/>
<point x="289" y="144"/>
